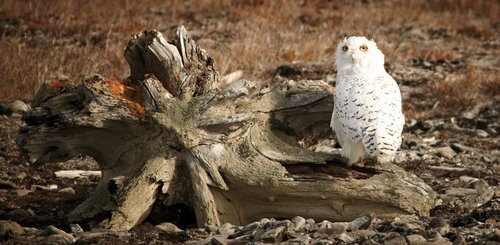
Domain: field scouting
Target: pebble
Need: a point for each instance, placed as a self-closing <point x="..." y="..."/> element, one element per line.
<point x="481" y="133"/>
<point x="53" y="239"/>
<point x="302" y="239"/>
<point x="321" y="241"/>
<point x="211" y="228"/>
<point x="345" y="238"/>
<point x="298" y="223"/>
<point x="248" y="230"/>
<point x="52" y="230"/>
<point x="409" y="223"/>
<point x="31" y="231"/>
<point x="272" y="236"/>
<point x="226" y="229"/>
<point x="16" y="106"/>
<point x="496" y="236"/>
<point x="310" y="225"/>
<point x="394" y="238"/>
<point x="461" y="148"/>
<point x="10" y="229"/>
<point x="458" y="240"/>
<point x="217" y="240"/>
<point x="446" y="151"/>
<point x="98" y="234"/>
<point x="75" y="228"/>
<point x="436" y="238"/>
<point x="415" y="239"/>
<point x="168" y="227"/>
<point x="324" y="224"/>
<point x="363" y="222"/>
<point x="439" y="225"/>
<point x="22" y="192"/>
<point x="68" y="190"/>
<point x="44" y="188"/>
<point x="340" y="226"/>
<point x="474" y="183"/>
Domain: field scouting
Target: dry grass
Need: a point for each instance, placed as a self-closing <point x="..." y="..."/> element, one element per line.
<point x="465" y="89"/>
<point x="40" y="40"/>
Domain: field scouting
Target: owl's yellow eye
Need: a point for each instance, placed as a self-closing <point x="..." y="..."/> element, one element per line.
<point x="345" y="48"/>
<point x="363" y="48"/>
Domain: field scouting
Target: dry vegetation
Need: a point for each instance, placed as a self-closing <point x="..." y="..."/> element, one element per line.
<point x="60" y="39"/>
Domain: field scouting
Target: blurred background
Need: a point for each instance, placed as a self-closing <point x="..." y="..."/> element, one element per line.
<point x="454" y="42"/>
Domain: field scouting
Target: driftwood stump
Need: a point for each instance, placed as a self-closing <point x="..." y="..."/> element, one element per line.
<point x="232" y="154"/>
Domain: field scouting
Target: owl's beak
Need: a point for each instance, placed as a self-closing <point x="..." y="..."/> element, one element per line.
<point x="354" y="58"/>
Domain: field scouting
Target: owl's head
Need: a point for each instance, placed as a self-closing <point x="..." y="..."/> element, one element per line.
<point x="358" y="54"/>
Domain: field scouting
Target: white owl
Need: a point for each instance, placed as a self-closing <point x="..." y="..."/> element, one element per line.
<point x="367" y="117"/>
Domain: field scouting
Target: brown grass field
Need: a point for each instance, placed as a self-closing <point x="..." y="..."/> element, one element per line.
<point x="58" y="39"/>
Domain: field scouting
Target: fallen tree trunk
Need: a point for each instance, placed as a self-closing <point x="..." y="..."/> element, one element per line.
<point x="233" y="154"/>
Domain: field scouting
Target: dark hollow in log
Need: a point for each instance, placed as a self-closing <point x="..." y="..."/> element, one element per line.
<point x="231" y="153"/>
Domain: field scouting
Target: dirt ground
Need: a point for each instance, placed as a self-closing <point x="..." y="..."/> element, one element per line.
<point x="449" y="79"/>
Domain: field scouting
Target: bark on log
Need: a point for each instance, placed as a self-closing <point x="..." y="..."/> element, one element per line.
<point x="232" y="153"/>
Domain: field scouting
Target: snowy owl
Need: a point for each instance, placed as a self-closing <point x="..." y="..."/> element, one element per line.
<point x="367" y="117"/>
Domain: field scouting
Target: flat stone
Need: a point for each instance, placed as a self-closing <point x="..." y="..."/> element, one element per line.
<point x="481" y="133"/>
<point x="168" y="227"/>
<point x="394" y="238"/>
<point x="415" y="239"/>
<point x="474" y="183"/>
<point x="68" y="190"/>
<point x="272" y="236"/>
<point x="23" y="192"/>
<point x="446" y="151"/>
<point x="31" y="231"/>
<point x="99" y="234"/>
<point x="248" y="230"/>
<point x="52" y="230"/>
<point x="448" y="168"/>
<point x="461" y="148"/>
<point x="321" y="241"/>
<point x="53" y="239"/>
<point x="409" y="223"/>
<point x="362" y="222"/>
<point x="299" y="240"/>
<point x="461" y="192"/>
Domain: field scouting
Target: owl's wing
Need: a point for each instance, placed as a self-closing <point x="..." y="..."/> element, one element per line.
<point x="348" y="103"/>
<point x="381" y="130"/>
<point x="369" y="112"/>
